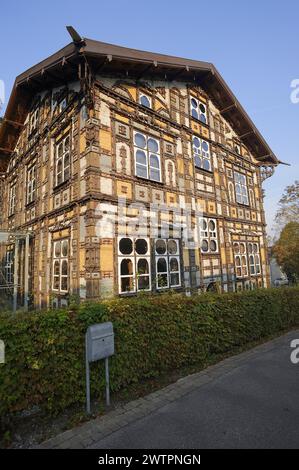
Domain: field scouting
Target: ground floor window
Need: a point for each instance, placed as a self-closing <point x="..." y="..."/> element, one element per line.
<point x="167" y="261"/>
<point x="134" y="264"/>
<point x="60" y="273"/>
<point x="247" y="259"/>
<point x="9" y="267"/>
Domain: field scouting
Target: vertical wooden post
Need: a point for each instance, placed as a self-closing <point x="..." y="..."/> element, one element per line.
<point x="26" y="273"/>
<point x="15" y="276"/>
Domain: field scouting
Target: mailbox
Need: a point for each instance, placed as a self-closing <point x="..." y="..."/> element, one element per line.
<point x="100" y="341"/>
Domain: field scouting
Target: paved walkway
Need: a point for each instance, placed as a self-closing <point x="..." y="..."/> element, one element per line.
<point x="246" y="401"/>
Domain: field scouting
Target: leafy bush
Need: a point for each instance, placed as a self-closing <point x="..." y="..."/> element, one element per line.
<point x="154" y="334"/>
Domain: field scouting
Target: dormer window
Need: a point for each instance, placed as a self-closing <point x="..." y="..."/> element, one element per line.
<point x="201" y="154"/>
<point x="33" y="121"/>
<point x="145" y="100"/>
<point x="198" y="110"/>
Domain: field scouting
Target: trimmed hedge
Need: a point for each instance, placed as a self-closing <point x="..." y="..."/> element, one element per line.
<point x="154" y="334"/>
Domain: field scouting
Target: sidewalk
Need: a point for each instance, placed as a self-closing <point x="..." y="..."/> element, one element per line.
<point x="249" y="400"/>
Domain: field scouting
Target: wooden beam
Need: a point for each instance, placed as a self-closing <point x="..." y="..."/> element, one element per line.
<point x="149" y="67"/>
<point x="14" y="123"/>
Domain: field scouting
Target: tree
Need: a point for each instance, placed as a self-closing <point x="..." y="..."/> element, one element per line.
<point x="286" y="251"/>
<point x="288" y="206"/>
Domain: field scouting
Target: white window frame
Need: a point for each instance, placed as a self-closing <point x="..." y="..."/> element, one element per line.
<point x="148" y="155"/>
<point x="8" y="267"/>
<point x="207" y="234"/>
<point x="66" y="152"/>
<point x="33" y="120"/>
<point x="12" y="198"/>
<point x="167" y="256"/>
<point x="147" y="97"/>
<point x="134" y="257"/>
<point x="196" y="107"/>
<point x="61" y="259"/>
<point x="31" y="184"/>
<point x="241" y="195"/>
<point x="254" y="252"/>
<point x="199" y="153"/>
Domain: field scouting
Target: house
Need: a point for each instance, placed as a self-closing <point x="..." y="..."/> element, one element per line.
<point x="125" y="170"/>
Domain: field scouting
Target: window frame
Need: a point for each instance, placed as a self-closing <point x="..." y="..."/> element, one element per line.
<point x="167" y="256"/>
<point x="12" y="198"/>
<point x="62" y="158"/>
<point x="241" y="185"/>
<point x="134" y="257"/>
<point x="60" y="260"/>
<point x="208" y="235"/>
<point x="198" y="152"/>
<point x="197" y="109"/>
<point x="31" y="184"/>
<point x="148" y="155"/>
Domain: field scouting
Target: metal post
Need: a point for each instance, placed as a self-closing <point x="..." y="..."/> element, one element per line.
<point x="26" y="273"/>
<point x="87" y="378"/>
<point x="15" y="276"/>
<point x="107" y="381"/>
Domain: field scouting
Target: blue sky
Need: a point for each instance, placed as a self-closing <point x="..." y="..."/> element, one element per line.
<point x="254" y="44"/>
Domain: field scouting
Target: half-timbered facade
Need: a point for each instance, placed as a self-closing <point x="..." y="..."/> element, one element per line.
<point x="95" y="135"/>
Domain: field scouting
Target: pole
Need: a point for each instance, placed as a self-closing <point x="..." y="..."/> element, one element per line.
<point x="15" y="276"/>
<point x="107" y="381"/>
<point x="26" y="273"/>
<point x="87" y="378"/>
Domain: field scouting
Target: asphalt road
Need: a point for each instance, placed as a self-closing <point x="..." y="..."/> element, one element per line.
<point x="255" y="405"/>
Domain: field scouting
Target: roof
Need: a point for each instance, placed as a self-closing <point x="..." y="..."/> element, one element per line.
<point x="113" y="60"/>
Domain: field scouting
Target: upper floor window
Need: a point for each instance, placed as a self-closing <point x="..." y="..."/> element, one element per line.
<point x="198" y="110"/>
<point x="31" y="184"/>
<point x="63" y="161"/>
<point x="33" y="120"/>
<point x="168" y="269"/>
<point x="147" y="157"/>
<point x="145" y="100"/>
<point x="201" y="154"/>
<point x="134" y="264"/>
<point x="60" y="266"/>
<point x="254" y="259"/>
<point x="241" y="188"/>
<point x="208" y="235"/>
<point x="62" y="105"/>
<point x="12" y="198"/>
<point x="247" y="255"/>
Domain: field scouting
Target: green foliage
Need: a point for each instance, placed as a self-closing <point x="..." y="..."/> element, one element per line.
<point x="286" y="251"/>
<point x="154" y="334"/>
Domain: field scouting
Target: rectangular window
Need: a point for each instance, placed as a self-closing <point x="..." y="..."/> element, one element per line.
<point x="147" y="157"/>
<point x="60" y="274"/>
<point x="247" y="259"/>
<point x="167" y="257"/>
<point x="241" y="188"/>
<point x="198" y="110"/>
<point x="12" y="199"/>
<point x="8" y="267"/>
<point x="31" y="184"/>
<point x="201" y="154"/>
<point x="208" y="235"/>
<point x="33" y="120"/>
<point x="63" y="161"/>
<point x="134" y="265"/>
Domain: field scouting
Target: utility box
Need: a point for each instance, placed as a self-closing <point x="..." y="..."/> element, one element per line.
<point x="99" y="341"/>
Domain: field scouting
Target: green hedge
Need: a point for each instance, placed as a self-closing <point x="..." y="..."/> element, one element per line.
<point x="154" y="334"/>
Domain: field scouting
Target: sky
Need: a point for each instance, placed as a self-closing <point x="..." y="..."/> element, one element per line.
<point x="254" y="45"/>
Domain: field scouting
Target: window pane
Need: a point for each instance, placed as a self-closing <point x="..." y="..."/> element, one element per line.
<point x="213" y="245"/>
<point x="56" y="268"/>
<point x="145" y="101"/>
<point x="196" y="142"/>
<point x="141" y="246"/>
<point x="204" y="245"/>
<point x="65" y="247"/>
<point x="142" y="266"/>
<point x="143" y="283"/>
<point x="174" y="279"/>
<point x="154" y="161"/>
<point x="64" y="267"/>
<point x="125" y="246"/>
<point x="64" y="283"/>
<point x="162" y="280"/>
<point x="127" y="284"/>
<point x="141" y="171"/>
<point x="155" y="175"/>
<point x="126" y="267"/>
<point x="194" y="113"/>
<point x="141" y="157"/>
<point x="153" y="145"/>
<point x="160" y="247"/>
<point x="140" y="140"/>
<point x="173" y="264"/>
<point x="57" y="249"/>
<point x="172" y="247"/>
<point x="206" y="164"/>
<point x="161" y="265"/>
